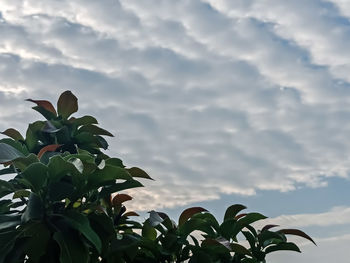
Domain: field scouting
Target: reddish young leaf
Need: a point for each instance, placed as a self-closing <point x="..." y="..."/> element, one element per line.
<point x="48" y="148"/>
<point x="188" y="213"/>
<point x="239" y="216"/>
<point x="297" y="232"/>
<point x="267" y="227"/>
<point x="67" y="104"/>
<point x="120" y="198"/>
<point x="14" y="134"/>
<point x="131" y="213"/>
<point x="44" y="104"/>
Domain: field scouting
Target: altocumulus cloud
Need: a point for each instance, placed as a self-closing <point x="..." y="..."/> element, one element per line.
<point x="210" y="97"/>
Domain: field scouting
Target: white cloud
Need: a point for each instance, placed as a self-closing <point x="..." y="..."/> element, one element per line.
<point x="209" y="97"/>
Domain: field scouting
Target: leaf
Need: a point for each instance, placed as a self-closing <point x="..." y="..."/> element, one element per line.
<point x="296" y="232"/>
<point x="36" y="174"/>
<point x="8" y="153"/>
<point x="67" y="104"/>
<point x="267" y="227"/>
<point x="251" y="218"/>
<point x="137" y="172"/>
<point x="282" y="246"/>
<point x="154" y="218"/>
<point x="81" y="223"/>
<point x="8" y="221"/>
<point x="23" y="162"/>
<point x="95" y="130"/>
<point x="119" y="187"/>
<point x="44" y="104"/>
<point x="220" y="241"/>
<point x="47" y="114"/>
<point x="14" y="134"/>
<point x="84" y="120"/>
<point x="72" y="249"/>
<point x="115" y="162"/>
<point x="48" y="148"/>
<point x="107" y="176"/>
<point x="34" y="209"/>
<point x="233" y="210"/>
<point x="38" y="236"/>
<point x="189" y="212"/>
<point x="7" y="241"/>
<point x="21" y="194"/>
<point x="9" y="170"/>
<point x="50" y="128"/>
<point x="77" y="163"/>
<point x="33" y="134"/>
<point x="149" y="231"/>
<point x="120" y="198"/>
<point x="196" y="224"/>
<point x="239" y="249"/>
<point x="131" y="213"/>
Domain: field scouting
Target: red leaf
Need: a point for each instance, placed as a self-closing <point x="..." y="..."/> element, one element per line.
<point x="297" y="232"/>
<point x="267" y="227"/>
<point x="44" y="104"/>
<point x="48" y="148"/>
<point x="120" y="198"/>
<point x="189" y="212"/>
<point x="239" y="216"/>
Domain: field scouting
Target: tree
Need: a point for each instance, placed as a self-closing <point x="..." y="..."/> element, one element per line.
<point x="65" y="204"/>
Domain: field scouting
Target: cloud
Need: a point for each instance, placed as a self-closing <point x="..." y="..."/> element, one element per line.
<point x="209" y="97"/>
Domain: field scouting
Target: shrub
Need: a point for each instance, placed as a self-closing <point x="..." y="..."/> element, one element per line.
<point x="65" y="204"/>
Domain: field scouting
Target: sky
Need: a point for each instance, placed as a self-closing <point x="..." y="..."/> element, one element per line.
<point x="220" y="101"/>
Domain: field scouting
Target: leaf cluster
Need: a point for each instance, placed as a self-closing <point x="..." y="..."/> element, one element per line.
<point x="64" y="203"/>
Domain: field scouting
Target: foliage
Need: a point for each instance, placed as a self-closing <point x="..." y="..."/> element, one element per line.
<point x="64" y="204"/>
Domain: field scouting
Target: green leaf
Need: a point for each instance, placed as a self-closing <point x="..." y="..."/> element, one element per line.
<point x="72" y="249"/>
<point x="9" y="170"/>
<point x="282" y="246"/>
<point x="107" y="175"/>
<point x="239" y="249"/>
<point x="137" y="172"/>
<point x="36" y="174"/>
<point x="23" y="162"/>
<point x="58" y="168"/>
<point x="93" y="129"/>
<point x="196" y="224"/>
<point x="119" y="187"/>
<point x="83" y="120"/>
<point x="33" y="135"/>
<point x="67" y="104"/>
<point x="9" y="221"/>
<point x="233" y="210"/>
<point x="60" y="190"/>
<point x="102" y="143"/>
<point x="21" y="194"/>
<point x="251" y="218"/>
<point x="149" y="231"/>
<point x="39" y="236"/>
<point x="5" y="188"/>
<point x="81" y="223"/>
<point x="7" y="241"/>
<point x="154" y="218"/>
<point x="188" y="213"/>
<point x="8" y="153"/>
<point x="14" y="134"/>
<point x="34" y="209"/>
<point x="115" y="162"/>
<point x="77" y="163"/>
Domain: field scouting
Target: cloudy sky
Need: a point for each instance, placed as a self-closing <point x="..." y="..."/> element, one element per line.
<point x="220" y="101"/>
